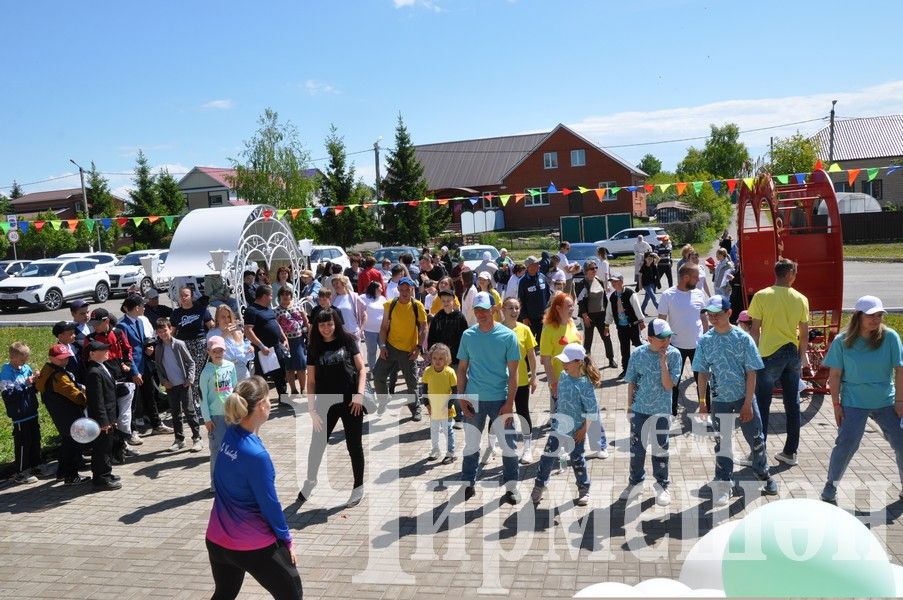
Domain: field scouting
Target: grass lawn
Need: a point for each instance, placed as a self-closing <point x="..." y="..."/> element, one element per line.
<point x="887" y="250"/>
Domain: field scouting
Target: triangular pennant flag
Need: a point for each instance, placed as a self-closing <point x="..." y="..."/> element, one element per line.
<point x="503" y="198"/>
<point x="413" y="203"/>
<point x="309" y="211"/>
<point x="137" y="220"/>
<point x="385" y="203"/>
<point x="168" y="219"/>
<point x="783" y="179"/>
<point x="73" y="223"/>
<point x="582" y="189"/>
<point x="872" y="172"/>
<point x="56" y="225"/>
<point x="395" y="204"/>
<point x="630" y="188"/>
<point x="731" y="185"/>
<point x="281" y="213"/>
<point x="600" y="193"/>
<point x="697" y="186"/>
<point x="852" y="174"/>
<point x="716" y="185"/>
<point x="473" y="200"/>
<point x="90" y="224"/>
<point x="662" y="187"/>
<point x="442" y="201"/>
<point x="338" y="209"/>
<point x="749" y="182"/>
<point x="533" y="192"/>
<point x="108" y="222"/>
<point x="488" y="197"/>
<point x="295" y="212"/>
<point x="800" y="178"/>
<point x="649" y="187"/>
<point x="552" y="189"/>
<point x="122" y="221"/>
<point x="834" y="168"/>
<point x="323" y="210"/>
<point x="519" y="197"/>
<point x="681" y="186"/>
<point x="367" y="205"/>
<point x="817" y="165"/>
<point x="894" y="168"/>
<point x="38" y="225"/>
<point x="612" y="192"/>
<point x="153" y="218"/>
<point x="566" y="191"/>
<point x="351" y="206"/>
<point x="4" y="226"/>
<point x="267" y="213"/>
<point x="23" y="225"/>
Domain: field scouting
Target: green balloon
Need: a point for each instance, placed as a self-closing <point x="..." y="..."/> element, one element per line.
<point x="805" y="548"/>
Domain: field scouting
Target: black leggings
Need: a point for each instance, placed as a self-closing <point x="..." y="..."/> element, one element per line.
<point x="354" y="431"/>
<point x="627" y="335"/>
<point x="597" y="321"/>
<point x="271" y="567"/>
<point x="522" y="407"/>
<point x="687" y="353"/>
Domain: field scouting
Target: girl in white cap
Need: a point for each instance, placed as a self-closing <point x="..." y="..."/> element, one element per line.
<point x="865" y="361"/>
<point x="576" y="407"/>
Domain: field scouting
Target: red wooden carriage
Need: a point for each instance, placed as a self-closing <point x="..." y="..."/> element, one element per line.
<point x="776" y="220"/>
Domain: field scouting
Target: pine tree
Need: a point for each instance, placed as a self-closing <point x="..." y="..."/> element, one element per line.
<point x="402" y="223"/>
<point x="338" y="188"/>
<point x="16" y="191"/>
<point x="144" y="202"/>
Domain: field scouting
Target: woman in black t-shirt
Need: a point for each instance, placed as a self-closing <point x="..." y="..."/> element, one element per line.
<point x="191" y="321"/>
<point x="335" y="383"/>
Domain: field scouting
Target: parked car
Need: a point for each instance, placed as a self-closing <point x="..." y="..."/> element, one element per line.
<point x="473" y="255"/>
<point x="394" y="253"/>
<point x="580" y="252"/>
<point x="322" y="254"/>
<point x="103" y="259"/>
<point x="128" y="271"/>
<point x="8" y="268"/>
<point x="50" y="282"/>
<point x="622" y="242"/>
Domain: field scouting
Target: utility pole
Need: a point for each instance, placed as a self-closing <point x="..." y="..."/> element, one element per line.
<point x="771" y="149"/>
<point x="81" y="175"/>
<point x="831" y="143"/>
<point x="376" y="159"/>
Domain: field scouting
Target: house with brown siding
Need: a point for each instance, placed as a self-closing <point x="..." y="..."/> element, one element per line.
<point x="66" y="204"/>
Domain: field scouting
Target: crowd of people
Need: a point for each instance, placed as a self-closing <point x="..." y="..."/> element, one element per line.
<point x="469" y="345"/>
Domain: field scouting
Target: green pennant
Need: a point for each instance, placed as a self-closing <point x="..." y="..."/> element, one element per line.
<point x="309" y="211"/>
<point x="783" y="179"/>
<point x="56" y="224"/>
<point x="697" y="186"/>
<point x="137" y="220"/>
<point x="281" y="213"/>
<point x="89" y="223"/>
<point x="872" y="172"/>
<point x="168" y="219"/>
<point x="612" y="192"/>
<point x="382" y="203"/>
<point x="4" y="226"/>
<point x="663" y="186"/>
<point x="533" y="192"/>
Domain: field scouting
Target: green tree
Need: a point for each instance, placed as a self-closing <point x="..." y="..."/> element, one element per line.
<point x="5" y="207"/>
<point x="725" y="155"/>
<point x="48" y="242"/>
<point x="16" y="191"/>
<point x="794" y="154"/>
<point x="337" y="187"/>
<point x="102" y="206"/>
<point x="693" y="162"/>
<point x="713" y="211"/>
<point x="402" y="223"/>
<point x="650" y="165"/>
<point x="145" y="201"/>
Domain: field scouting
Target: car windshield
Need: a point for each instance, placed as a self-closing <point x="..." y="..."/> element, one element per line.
<point x="316" y="255"/>
<point x="581" y="252"/>
<point x="477" y="253"/>
<point x="39" y="270"/>
<point x="131" y="260"/>
<point x="393" y="254"/>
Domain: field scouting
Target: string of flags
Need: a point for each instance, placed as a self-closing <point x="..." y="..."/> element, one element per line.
<point x="604" y="194"/>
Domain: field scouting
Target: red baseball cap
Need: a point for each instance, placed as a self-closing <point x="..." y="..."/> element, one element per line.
<point x="59" y="351"/>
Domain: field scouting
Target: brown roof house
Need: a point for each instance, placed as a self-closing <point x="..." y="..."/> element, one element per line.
<point x="65" y="203"/>
<point x="482" y="169"/>
<point x="205" y="187"/>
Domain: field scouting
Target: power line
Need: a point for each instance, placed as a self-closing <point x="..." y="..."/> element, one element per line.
<point x="703" y="137"/>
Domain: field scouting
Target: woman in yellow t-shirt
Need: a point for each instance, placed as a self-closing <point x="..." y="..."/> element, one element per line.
<point x="444" y="284"/>
<point x="558" y="331"/>
<point x="525" y="382"/>
<point x="484" y="284"/>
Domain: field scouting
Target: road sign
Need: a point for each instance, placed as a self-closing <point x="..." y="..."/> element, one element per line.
<point x="13" y="220"/>
<point x="13" y="236"/>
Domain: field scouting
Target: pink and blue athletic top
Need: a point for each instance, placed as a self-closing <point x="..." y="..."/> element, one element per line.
<point x="246" y="511"/>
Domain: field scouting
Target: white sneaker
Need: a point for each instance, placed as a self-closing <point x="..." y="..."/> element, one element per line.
<point x="631" y="491"/>
<point x="601" y="454"/>
<point x="527" y="457"/>
<point x="662" y="497"/>
<point x="744" y="461"/>
<point x="582" y="497"/>
<point x="722" y="498"/>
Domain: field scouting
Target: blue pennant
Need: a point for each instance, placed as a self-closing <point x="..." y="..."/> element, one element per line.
<point x="716" y="185"/>
<point x="395" y="204"/>
<point x="107" y="223"/>
<point x="630" y="188"/>
<point x="323" y="210"/>
<point x="800" y="178"/>
<point x="894" y="168"/>
<point x="473" y="200"/>
<point x="23" y="225"/>
<point x="552" y="189"/>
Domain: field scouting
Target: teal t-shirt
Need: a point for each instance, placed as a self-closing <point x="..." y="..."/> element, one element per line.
<point x="867" y="380"/>
<point x="644" y="370"/>
<point x="728" y="357"/>
<point x="487" y="355"/>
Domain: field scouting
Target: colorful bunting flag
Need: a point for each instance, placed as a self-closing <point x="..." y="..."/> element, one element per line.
<point x="153" y="218"/>
<point x="681" y="186"/>
<point x="731" y="185"/>
<point x="108" y="222"/>
<point x="294" y="213"/>
<point x="783" y="179"/>
<point x="73" y="223"/>
<point x="894" y="168"/>
<point x="122" y="221"/>
<point x="503" y="198"/>
<point x="852" y="174"/>
<point x="800" y="178"/>
<point x="168" y="219"/>
<point x="697" y="186"/>
<point x="414" y="203"/>
<point x="716" y="185"/>
<point x="338" y="209"/>
<point x="600" y="193"/>
<point x="749" y="181"/>
<point x="267" y="213"/>
<point x="519" y="197"/>
<point x="442" y="201"/>
<point x="533" y="192"/>
<point x="56" y="225"/>
<point x="663" y="187"/>
<point x="834" y="168"/>
<point x="4" y="226"/>
<point x="323" y="210"/>
<point x="23" y="225"/>
<point x="310" y="212"/>
<point x="630" y="188"/>
<point x="872" y="172"/>
<point x="39" y="225"/>
<point x="281" y="213"/>
<point x="612" y="192"/>
<point x="473" y="200"/>
<point x="566" y="192"/>
<point x="90" y="224"/>
<point x="552" y="189"/>
<point x="649" y="187"/>
<point x="817" y="165"/>
<point x="582" y="189"/>
<point x="137" y="220"/>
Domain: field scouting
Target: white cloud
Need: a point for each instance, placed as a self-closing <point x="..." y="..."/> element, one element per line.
<point x="427" y="4"/>
<point x="314" y="87"/>
<point x="223" y="104"/>
<point x="691" y="121"/>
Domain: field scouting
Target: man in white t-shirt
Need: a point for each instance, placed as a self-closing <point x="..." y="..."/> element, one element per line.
<point x="682" y="307"/>
<point x="569" y="268"/>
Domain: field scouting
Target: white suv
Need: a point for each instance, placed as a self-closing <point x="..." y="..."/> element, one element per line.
<point x="49" y="282"/>
<point x="322" y="254"/>
<point x="622" y="242"/>
<point x="129" y="271"/>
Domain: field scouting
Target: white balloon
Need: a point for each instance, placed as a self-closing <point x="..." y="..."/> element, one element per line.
<point x="702" y="566"/>
<point x="84" y="430"/>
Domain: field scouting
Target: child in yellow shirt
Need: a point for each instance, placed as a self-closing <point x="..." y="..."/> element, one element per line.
<point x="440" y="382"/>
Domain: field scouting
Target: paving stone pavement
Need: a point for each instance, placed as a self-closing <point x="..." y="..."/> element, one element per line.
<point x="407" y="540"/>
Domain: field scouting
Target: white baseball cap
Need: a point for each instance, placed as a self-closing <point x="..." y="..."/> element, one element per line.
<point x="869" y="305"/>
<point x="558" y="276"/>
<point x="571" y="352"/>
<point x="482" y="300"/>
<point x="484" y="275"/>
<point x="487" y="255"/>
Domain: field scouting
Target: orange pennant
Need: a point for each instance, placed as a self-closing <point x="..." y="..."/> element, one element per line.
<point x="295" y="212"/>
<point x="649" y="187"/>
<point x="731" y="185"/>
<point x="153" y="218"/>
<point x="817" y="165"/>
<point x="73" y="223"/>
<point x="851" y="175"/>
<point x="442" y="201"/>
<point x="518" y="197"/>
<point x="367" y="205"/>
<point x="681" y="186"/>
<point x="600" y="193"/>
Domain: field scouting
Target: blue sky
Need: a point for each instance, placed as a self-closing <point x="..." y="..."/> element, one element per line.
<point x="186" y="81"/>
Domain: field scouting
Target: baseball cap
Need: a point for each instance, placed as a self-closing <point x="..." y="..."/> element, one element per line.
<point x="444" y="248"/>
<point x="446" y="293"/>
<point x="406" y="280"/>
<point x="77" y="304"/>
<point x="151" y="293"/>
<point x="484" y="275"/>
<point x="616" y="277"/>
<point x="95" y="345"/>
<point x="216" y="341"/>
<point x="59" y="351"/>
<point x="503" y="250"/>
<point x="744" y="317"/>
<point x="487" y="255"/>
<point x="98" y="315"/>
<point x="658" y="328"/>
<point x="62" y="326"/>
<point x="530" y="260"/>
<point x="558" y="276"/>
<point x="717" y="304"/>
<point x="482" y="300"/>
<point x="572" y="352"/>
<point x="869" y="305"/>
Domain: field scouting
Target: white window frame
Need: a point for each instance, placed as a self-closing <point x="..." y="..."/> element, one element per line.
<point x="550" y="160"/>
<point x="541" y="199"/>
<point x="608" y="185"/>
<point x="489" y="204"/>
<point x="580" y="152"/>
<point x="222" y="195"/>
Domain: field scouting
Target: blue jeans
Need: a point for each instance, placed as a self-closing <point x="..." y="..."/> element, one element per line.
<point x="473" y="434"/>
<point x="650" y="295"/>
<point x="439" y="426"/>
<point x="783" y="366"/>
<point x="549" y="460"/>
<point x="646" y="430"/>
<point x="850" y="434"/>
<point x="724" y="431"/>
<point x="372" y="340"/>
